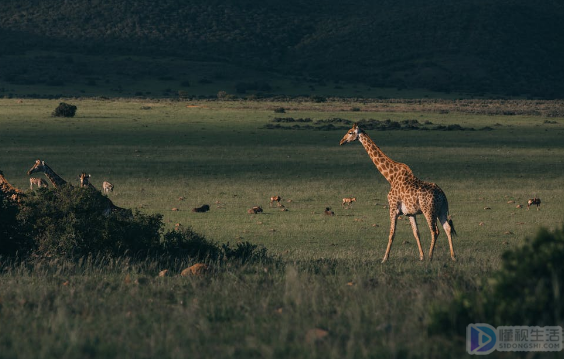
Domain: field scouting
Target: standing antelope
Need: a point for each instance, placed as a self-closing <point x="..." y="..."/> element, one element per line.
<point x="107" y="187"/>
<point x="275" y="199"/>
<point x="534" y="201"/>
<point x="348" y="201"/>
<point x="39" y="182"/>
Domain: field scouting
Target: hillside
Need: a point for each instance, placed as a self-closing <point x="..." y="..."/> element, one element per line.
<point x="506" y="47"/>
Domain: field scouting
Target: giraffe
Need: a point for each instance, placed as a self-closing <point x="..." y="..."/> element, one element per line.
<point x="39" y="182"/>
<point x="408" y="195"/>
<point x="85" y="181"/>
<point x="41" y="166"/>
<point x="15" y="194"/>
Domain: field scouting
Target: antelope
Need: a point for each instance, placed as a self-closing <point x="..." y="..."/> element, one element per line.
<point x="534" y="201"/>
<point x="348" y="201"/>
<point x="276" y="199"/>
<point x="39" y="182"/>
<point x="255" y="210"/>
<point x="107" y="187"/>
<point x="329" y="212"/>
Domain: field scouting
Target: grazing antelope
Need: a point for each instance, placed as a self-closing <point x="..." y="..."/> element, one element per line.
<point x="107" y="187"/>
<point x="534" y="201"/>
<point x="39" y="182"/>
<point x="255" y="210"/>
<point x="276" y="199"/>
<point x="201" y="209"/>
<point x="408" y="195"/>
<point x="348" y="201"/>
<point x="329" y="212"/>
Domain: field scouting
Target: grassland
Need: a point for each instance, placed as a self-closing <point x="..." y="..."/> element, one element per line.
<point x="330" y="277"/>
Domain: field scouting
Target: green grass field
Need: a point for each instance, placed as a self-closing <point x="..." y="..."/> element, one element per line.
<point x="331" y="278"/>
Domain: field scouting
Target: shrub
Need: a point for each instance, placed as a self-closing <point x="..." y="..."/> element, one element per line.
<point x="75" y="222"/>
<point x="525" y="291"/>
<point x="12" y="240"/>
<point x="185" y="242"/>
<point x="245" y="252"/>
<point x="64" y="110"/>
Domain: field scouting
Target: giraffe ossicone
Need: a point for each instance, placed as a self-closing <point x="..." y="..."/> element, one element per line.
<point x="408" y="195"/>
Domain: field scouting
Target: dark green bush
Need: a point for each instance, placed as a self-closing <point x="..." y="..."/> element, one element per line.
<point x="64" y="110"/>
<point x="527" y="290"/>
<point x="185" y="243"/>
<point x="12" y="240"/>
<point x="245" y="252"/>
<point x="182" y="243"/>
<point x="74" y="222"/>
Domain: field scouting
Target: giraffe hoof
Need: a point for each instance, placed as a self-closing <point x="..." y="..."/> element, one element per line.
<point x="421" y="258"/>
<point x="453" y="259"/>
<point x="384" y="260"/>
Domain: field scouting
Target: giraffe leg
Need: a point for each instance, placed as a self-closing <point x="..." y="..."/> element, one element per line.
<point x="431" y="220"/>
<point x="394" y="213"/>
<point x="413" y="222"/>
<point x="449" y="231"/>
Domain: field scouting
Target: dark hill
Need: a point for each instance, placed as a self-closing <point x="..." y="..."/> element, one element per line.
<point x="508" y="47"/>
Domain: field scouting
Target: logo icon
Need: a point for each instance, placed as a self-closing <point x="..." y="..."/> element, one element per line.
<point x="480" y="339"/>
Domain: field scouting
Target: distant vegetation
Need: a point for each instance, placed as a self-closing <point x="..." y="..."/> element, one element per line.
<point x="509" y="48"/>
<point x="369" y="124"/>
<point x="64" y="110"/>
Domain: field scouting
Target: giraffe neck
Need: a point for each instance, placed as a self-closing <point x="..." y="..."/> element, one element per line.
<point x="55" y="179"/>
<point x="390" y="169"/>
<point x="7" y="186"/>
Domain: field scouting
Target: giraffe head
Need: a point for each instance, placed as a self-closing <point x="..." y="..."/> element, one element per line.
<point x="352" y="135"/>
<point x="84" y="179"/>
<point x="39" y="166"/>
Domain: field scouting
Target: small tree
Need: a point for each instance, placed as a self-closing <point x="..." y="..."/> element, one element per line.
<point x="64" y="110"/>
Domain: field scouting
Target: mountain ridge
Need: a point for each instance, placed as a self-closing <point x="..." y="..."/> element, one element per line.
<point x="510" y="47"/>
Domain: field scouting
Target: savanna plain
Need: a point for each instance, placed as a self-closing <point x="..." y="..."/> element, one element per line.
<point x="326" y="295"/>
